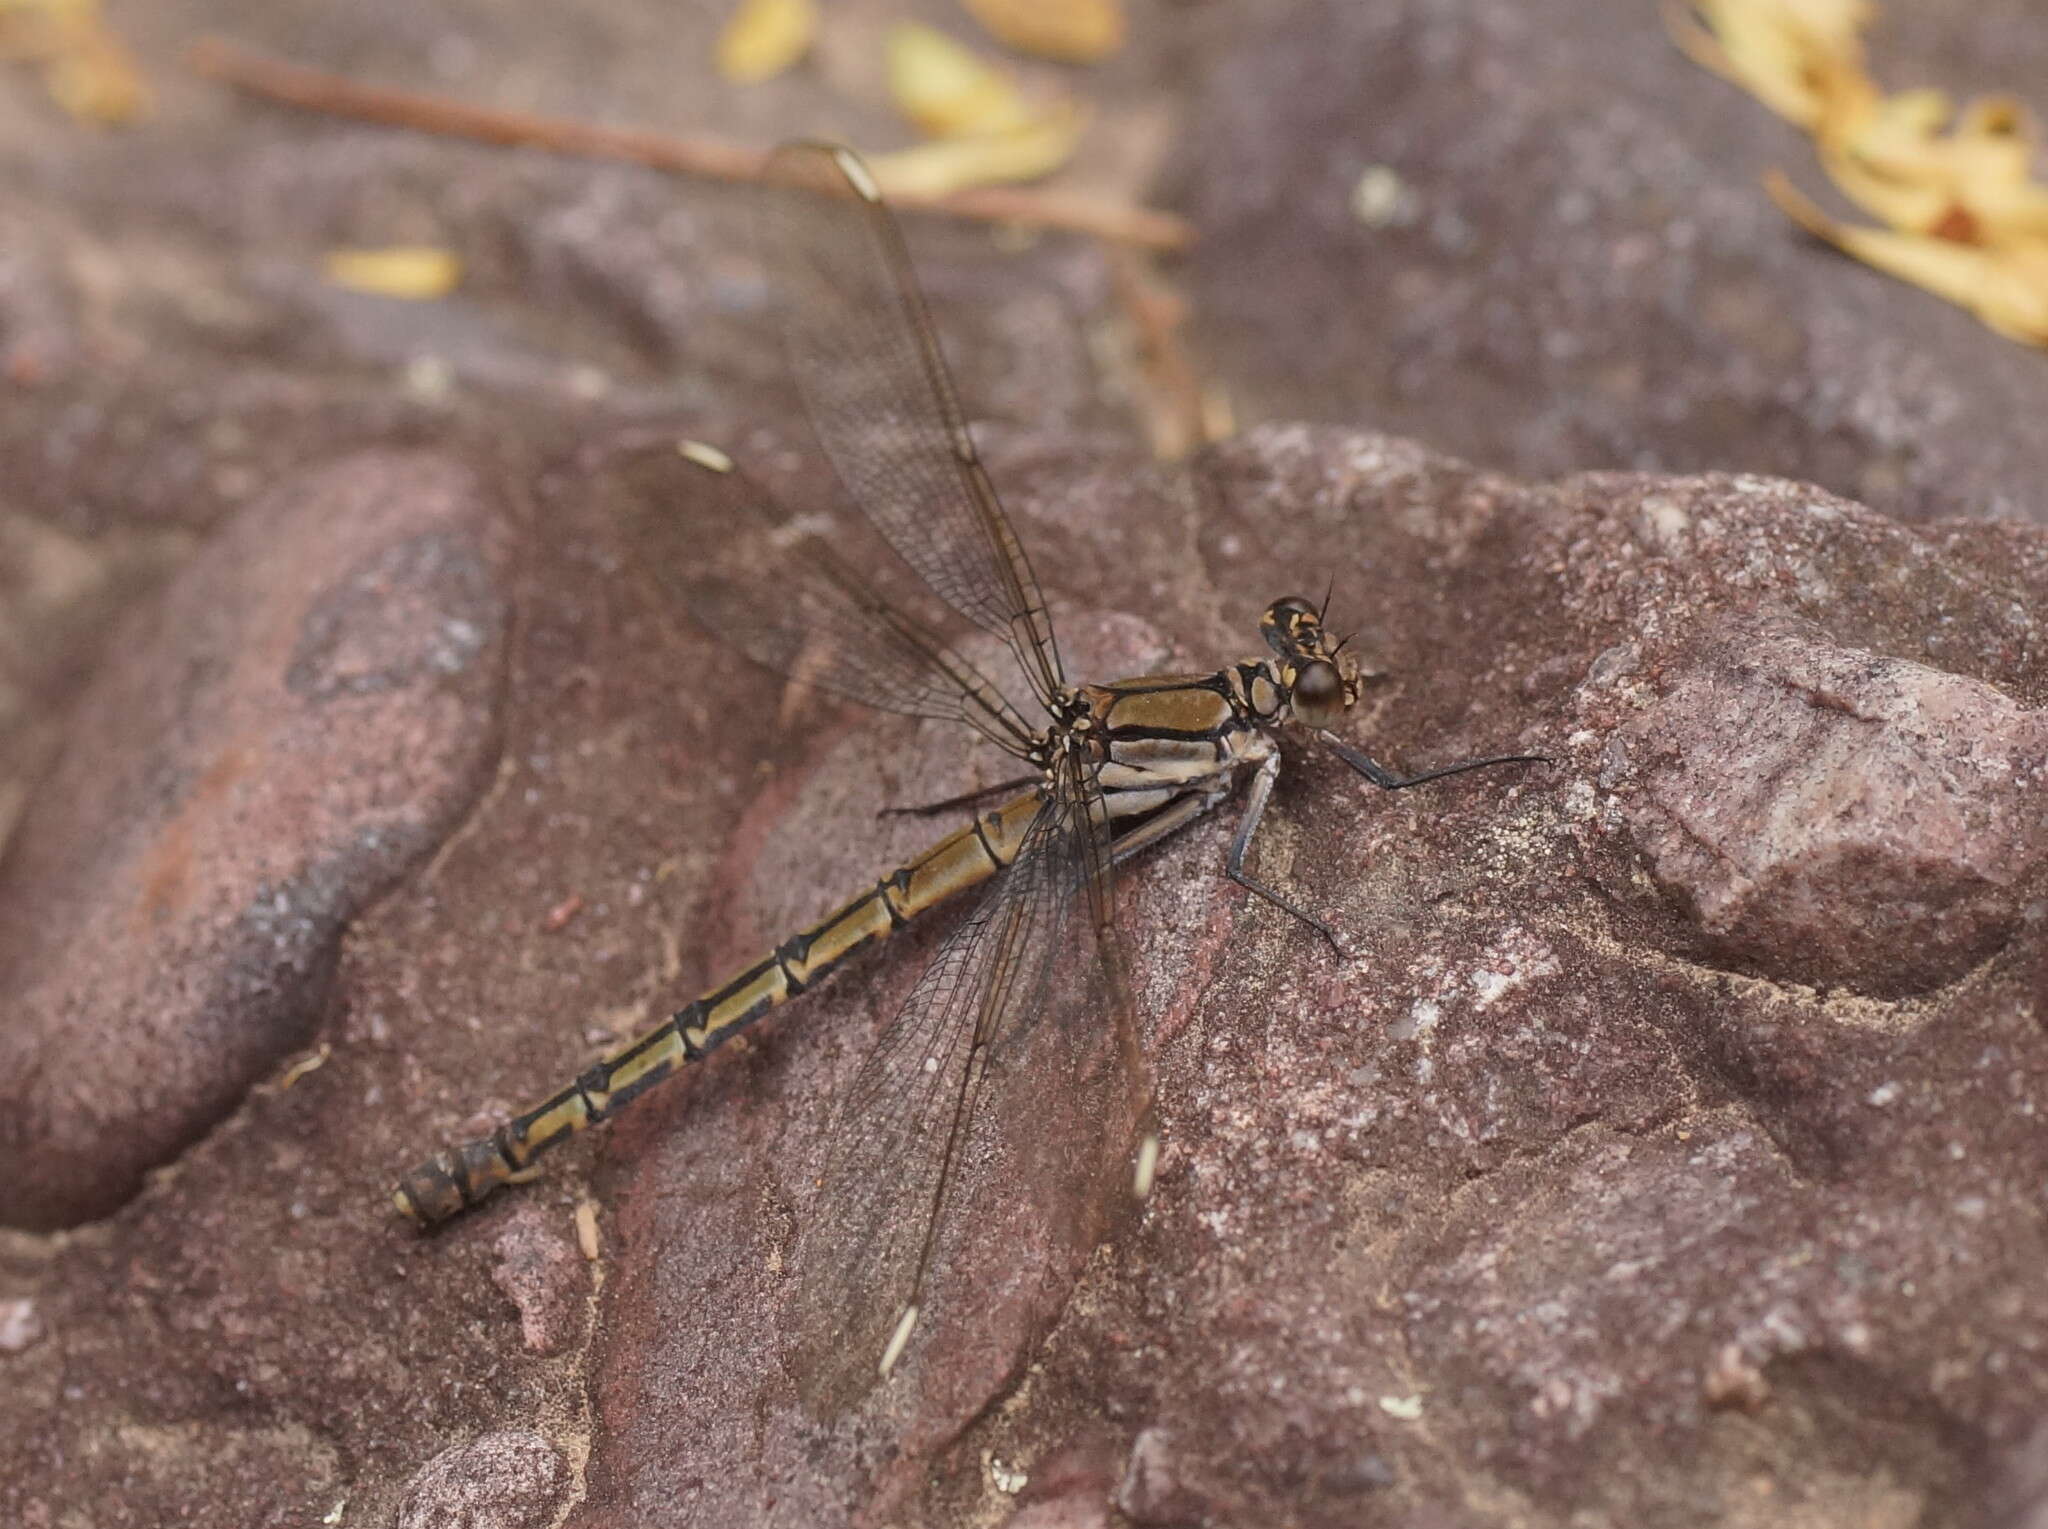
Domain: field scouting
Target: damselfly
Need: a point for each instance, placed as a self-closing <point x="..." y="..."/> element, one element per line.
<point x="1108" y="769"/>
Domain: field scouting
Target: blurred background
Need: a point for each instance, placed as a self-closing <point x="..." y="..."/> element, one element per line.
<point x="1532" y="235"/>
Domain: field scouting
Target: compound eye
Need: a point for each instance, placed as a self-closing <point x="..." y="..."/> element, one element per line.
<point x="1318" y="693"/>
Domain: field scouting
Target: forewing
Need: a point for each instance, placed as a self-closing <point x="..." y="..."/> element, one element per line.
<point x="864" y="355"/>
<point x="977" y="1129"/>
<point x="774" y="586"/>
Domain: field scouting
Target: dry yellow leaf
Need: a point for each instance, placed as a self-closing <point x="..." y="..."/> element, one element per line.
<point x="765" y="37"/>
<point x="1882" y="160"/>
<point x="1072" y="31"/>
<point x="1966" y="220"/>
<point x="1833" y="25"/>
<point x="87" y="69"/>
<point x="2008" y="290"/>
<point x="947" y="90"/>
<point x="953" y="164"/>
<point x="2010" y="216"/>
<point x="1801" y="58"/>
<point x="1969" y="182"/>
<point x="415" y="272"/>
<point x="95" y="79"/>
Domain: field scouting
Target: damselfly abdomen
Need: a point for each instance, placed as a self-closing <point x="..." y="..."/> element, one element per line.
<point x="1104" y="771"/>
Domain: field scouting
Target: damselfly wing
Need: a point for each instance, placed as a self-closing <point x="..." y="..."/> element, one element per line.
<point x="931" y="1095"/>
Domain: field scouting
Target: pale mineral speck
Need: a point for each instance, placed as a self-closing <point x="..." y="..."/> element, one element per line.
<point x="1664" y="522"/>
<point x="1420" y="1020"/>
<point x="21" y="1325"/>
<point x="1381" y="199"/>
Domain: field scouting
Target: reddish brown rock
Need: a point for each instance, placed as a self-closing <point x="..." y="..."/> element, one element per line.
<point x="1520" y="1177"/>
<point x="1828" y="815"/>
<point x="1584" y="1188"/>
<point x="20" y="1326"/>
<point x="539" y="1270"/>
<point x="1505" y="1195"/>
<point x="1072" y="1486"/>
<point x="297" y="721"/>
<point x="507" y="1480"/>
<point x="1534" y="234"/>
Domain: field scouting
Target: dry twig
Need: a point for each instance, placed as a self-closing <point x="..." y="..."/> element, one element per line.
<point x="336" y="95"/>
<point x="1170" y="383"/>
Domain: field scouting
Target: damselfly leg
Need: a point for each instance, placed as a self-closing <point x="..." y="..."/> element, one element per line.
<point x="1387" y="780"/>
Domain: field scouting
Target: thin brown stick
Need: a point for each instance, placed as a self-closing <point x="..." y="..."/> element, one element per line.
<point x="1170" y="391"/>
<point x="275" y="79"/>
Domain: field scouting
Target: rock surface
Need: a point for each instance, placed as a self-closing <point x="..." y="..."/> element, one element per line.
<point x="507" y="1480"/>
<point x="299" y="720"/>
<point x="1828" y="815"/>
<point x="1542" y="1188"/>
<point x="1567" y="259"/>
<point x="1666" y="1148"/>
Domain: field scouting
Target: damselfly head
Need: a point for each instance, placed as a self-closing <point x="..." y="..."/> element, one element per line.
<point x="1321" y="680"/>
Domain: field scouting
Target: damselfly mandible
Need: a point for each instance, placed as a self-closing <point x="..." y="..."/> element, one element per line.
<point x="1109" y="768"/>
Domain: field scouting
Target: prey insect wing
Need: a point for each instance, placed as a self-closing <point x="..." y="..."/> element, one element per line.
<point x="866" y="358"/>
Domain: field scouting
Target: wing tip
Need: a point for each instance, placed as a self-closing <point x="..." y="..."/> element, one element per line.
<point x="899" y="1339"/>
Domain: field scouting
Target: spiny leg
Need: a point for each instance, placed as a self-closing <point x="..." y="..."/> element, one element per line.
<point x="1387" y="780"/>
<point x="1262" y="789"/>
<point x="1233" y="866"/>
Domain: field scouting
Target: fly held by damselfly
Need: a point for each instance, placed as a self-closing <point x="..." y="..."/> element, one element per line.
<point x="1107" y="770"/>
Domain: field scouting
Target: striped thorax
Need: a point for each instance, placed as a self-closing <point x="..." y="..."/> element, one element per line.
<point x="1162" y="738"/>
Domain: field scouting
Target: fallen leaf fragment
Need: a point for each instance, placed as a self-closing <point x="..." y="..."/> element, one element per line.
<point x="1072" y="31"/>
<point x="954" y="164"/>
<point x="1878" y="157"/>
<point x="984" y="130"/>
<point x="1965" y="218"/>
<point x="765" y="37"/>
<point x="416" y="272"/>
<point x="87" y="68"/>
<point x="1798" y="57"/>
<point x="2007" y="289"/>
<point x="946" y="90"/>
<point x="1970" y="182"/>
<point x="305" y="1065"/>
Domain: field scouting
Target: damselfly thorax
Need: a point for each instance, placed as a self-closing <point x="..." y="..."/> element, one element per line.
<point x="1105" y="771"/>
